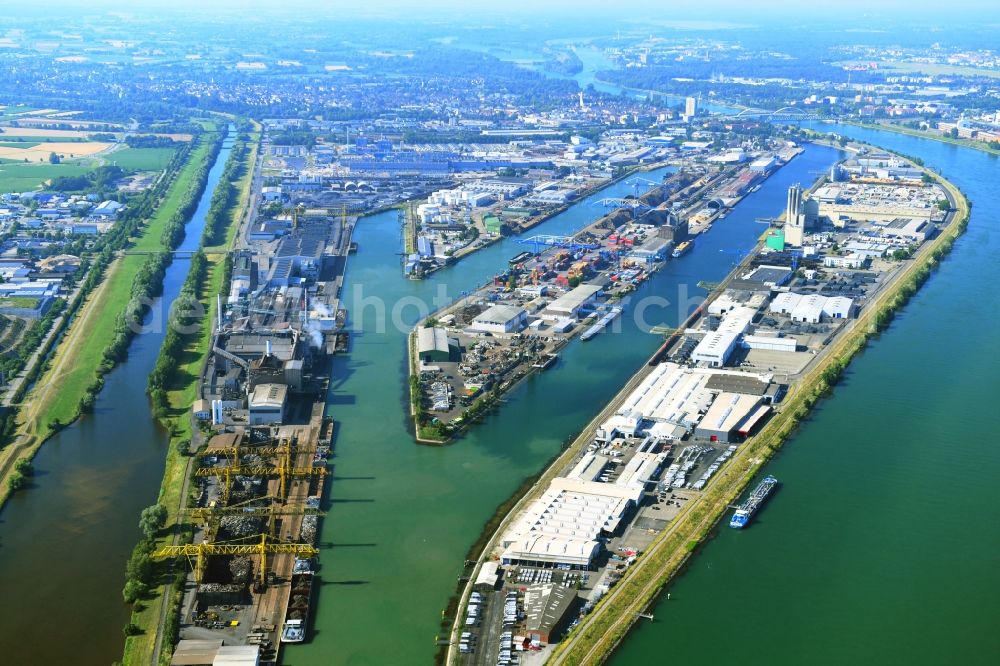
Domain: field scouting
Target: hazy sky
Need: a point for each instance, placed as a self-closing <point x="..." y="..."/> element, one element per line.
<point x="953" y="10"/>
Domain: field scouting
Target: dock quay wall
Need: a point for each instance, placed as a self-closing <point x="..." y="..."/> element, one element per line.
<point x="600" y="633"/>
<point x="596" y="637"/>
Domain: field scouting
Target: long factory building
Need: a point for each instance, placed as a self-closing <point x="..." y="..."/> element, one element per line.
<point x="673" y="400"/>
<point x="566" y="525"/>
<point x="716" y="346"/>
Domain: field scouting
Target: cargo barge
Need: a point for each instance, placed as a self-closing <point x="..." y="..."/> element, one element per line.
<point x="682" y="249"/>
<point x="602" y="323"/>
<point x="747" y="510"/>
<point x="299" y="600"/>
<point x="520" y="258"/>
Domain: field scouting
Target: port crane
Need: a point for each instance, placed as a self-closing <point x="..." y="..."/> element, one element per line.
<point x="284" y="471"/>
<point x="771" y="221"/>
<point x="566" y="242"/>
<point x="250" y="508"/>
<point x="266" y="546"/>
<point x="235" y="452"/>
<point x="628" y="202"/>
<point x="637" y="182"/>
<point x="209" y="516"/>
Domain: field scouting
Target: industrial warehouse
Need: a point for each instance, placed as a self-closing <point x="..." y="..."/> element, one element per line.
<point x="262" y="470"/>
<point x="466" y="355"/>
<point x="715" y="382"/>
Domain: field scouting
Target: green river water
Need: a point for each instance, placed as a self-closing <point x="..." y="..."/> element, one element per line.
<point x="881" y="545"/>
<point x="403" y="516"/>
<point x="879" y="548"/>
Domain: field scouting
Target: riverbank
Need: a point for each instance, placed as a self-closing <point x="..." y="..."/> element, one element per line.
<point x="156" y="619"/>
<point x="78" y="360"/>
<point x="547" y="298"/>
<point x="532" y="490"/>
<point x="598" y="634"/>
<point x="410" y="233"/>
<point x="922" y="134"/>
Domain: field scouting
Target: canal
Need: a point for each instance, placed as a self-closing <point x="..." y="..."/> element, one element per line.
<point x="880" y="547"/>
<point x="64" y="542"/>
<point x="403" y="516"/>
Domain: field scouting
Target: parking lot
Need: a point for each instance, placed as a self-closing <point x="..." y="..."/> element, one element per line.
<point x="488" y="640"/>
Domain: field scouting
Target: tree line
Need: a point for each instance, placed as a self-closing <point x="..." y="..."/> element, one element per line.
<point x="185" y="313"/>
<point x="224" y="197"/>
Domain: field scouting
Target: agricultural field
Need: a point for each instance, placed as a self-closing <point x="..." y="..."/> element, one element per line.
<point x="12" y="112"/>
<point x="23" y="176"/>
<point x="931" y="69"/>
<point x="54" y="134"/>
<point x="140" y="159"/>
<point x="39" y="152"/>
<point x="25" y="151"/>
<point x="19" y="144"/>
<point x="18" y="139"/>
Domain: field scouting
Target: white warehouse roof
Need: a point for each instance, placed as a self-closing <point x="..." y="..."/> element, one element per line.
<point x="563" y="525"/>
<point x="590" y="467"/>
<point x="542" y="548"/>
<point x="728" y="411"/>
<point x="268" y="396"/>
<point x="669" y="393"/>
<point x="812" y="307"/>
<point x="571" y="301"/>
<point x="737" y="320"/>
<point x="640" y="469"/>
<point x="499" y="314"/>
<point x="237" y="655"/>
<point x="432" y="339"/>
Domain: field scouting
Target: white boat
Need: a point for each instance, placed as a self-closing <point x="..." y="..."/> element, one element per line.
<point x="294" y="631"/>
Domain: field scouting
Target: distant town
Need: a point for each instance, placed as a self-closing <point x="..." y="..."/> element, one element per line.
<point x="412" y="338"/>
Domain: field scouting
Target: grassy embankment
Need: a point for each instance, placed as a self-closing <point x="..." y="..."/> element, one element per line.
<point x="181" y="392"/>
<point x="594" y="639"/>
<point x="75" y="364"/>
<point x="410" y="229"/>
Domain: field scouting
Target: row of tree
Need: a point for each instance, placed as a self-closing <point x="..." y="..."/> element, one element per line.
<point x="185" y="315"/>
<point x="173" y="234"/>
<point x="141" y="208"/>
<point x="224" y="197"/>
<point x="140" y="570"/>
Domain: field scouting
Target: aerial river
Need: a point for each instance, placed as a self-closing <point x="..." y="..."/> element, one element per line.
<point x="402" y="516"/>
<point x="64" y="542"/>
<point x="881" y="545"/>
<point x="878" y="548"/>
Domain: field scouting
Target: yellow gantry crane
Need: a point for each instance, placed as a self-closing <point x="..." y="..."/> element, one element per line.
<point x="266" y="546"/>
<point x="203" y="514"/>
<point x="283" y="471"/>
<point x="209" y="516"/>
<point x="235" y="452"/>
